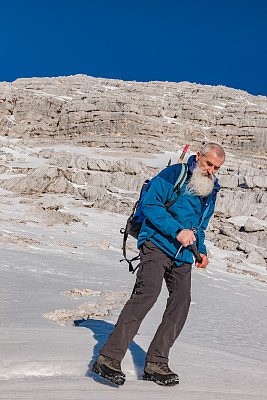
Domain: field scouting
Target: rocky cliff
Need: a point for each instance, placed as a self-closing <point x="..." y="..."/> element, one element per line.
<point x="133" y="114"/>
<point x="93" y="138"/>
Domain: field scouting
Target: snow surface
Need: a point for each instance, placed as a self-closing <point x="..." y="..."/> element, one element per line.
<point x="221" y="353"/>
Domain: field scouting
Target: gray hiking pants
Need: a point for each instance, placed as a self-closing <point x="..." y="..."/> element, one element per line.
<point x="154" y="266"/>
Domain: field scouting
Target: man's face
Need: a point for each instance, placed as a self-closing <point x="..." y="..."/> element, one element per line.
<point x="210" y="163"/>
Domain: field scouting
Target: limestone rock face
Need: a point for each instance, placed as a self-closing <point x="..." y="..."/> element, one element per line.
<point x="39" y="180"/>
<point x="231" y="203"/>
<point x="249" y="239"/>
<point x="144" y="115"/>
<point x="252" y="226"/>
<point x="91" y="139"/>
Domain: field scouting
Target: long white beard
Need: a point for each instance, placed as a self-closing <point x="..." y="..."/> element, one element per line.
<point x="200" y="184"/>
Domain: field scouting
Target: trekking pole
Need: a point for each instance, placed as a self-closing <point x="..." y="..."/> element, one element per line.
<point x="193" y="247"/>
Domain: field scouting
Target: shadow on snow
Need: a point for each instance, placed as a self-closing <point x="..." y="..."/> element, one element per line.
<point x="101" y="330"/>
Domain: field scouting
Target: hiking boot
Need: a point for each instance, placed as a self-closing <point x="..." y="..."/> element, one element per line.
<point x="160" y="373"/>
<point x="110" y="369"/>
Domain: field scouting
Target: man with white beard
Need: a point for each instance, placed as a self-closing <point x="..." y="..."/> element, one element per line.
<point x="165" y="253"/>
<point x="201" y="182"/>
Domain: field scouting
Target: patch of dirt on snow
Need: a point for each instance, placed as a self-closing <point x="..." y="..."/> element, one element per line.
<point x="53" y="217"/>
<point x="112" y="300"/>
<point x="235" y="270"/>
<point x="13" y="220"/>
<point x="84" y="312"/>
<point x="104" y="244"/>
<point x="20" y="240"/>
<point x="81" y="292"/>
<point x="121" y="295"/>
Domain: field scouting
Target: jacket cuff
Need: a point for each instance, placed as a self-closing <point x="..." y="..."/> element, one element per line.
<point x="202" y="249"/>
<point x="176" y="232"/>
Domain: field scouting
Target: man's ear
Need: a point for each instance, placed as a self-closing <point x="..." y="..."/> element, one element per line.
<point x="198" y="155"/>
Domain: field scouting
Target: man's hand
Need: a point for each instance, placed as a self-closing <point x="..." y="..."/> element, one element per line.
<point x="186" y="237"/>
<point x="204" y="262"/>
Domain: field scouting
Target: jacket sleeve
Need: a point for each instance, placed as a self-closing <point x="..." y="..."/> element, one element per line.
<point x="154" y="210"/>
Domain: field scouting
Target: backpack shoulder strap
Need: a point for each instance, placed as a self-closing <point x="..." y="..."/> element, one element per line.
<point x="182" y="176"/>
<point x="179" y="182"/>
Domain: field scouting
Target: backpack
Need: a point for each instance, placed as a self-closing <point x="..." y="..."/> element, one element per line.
<point x="135" y="220"/>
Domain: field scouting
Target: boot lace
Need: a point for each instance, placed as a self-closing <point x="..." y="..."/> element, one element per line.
<point x="164" y="367"/>
<point x="116" y="364"/>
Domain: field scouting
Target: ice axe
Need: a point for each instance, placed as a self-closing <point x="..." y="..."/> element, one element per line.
<point x="194" y="251"/>
<point x="193" y="247"/>
<point x="181" y="156"/>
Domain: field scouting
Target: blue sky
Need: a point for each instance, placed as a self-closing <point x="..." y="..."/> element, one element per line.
<point x="207" y="42"/>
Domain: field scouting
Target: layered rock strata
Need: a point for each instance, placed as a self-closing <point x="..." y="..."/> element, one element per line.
<point x="41" y="118"/>
<point x="147" y="115"/>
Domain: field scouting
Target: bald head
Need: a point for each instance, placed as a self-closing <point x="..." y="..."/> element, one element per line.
<point x="215" y="148"/>
<point x="210" y="158"/>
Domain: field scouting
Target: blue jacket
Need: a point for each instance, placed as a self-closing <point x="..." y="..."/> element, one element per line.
<point x="161" y="226"/>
